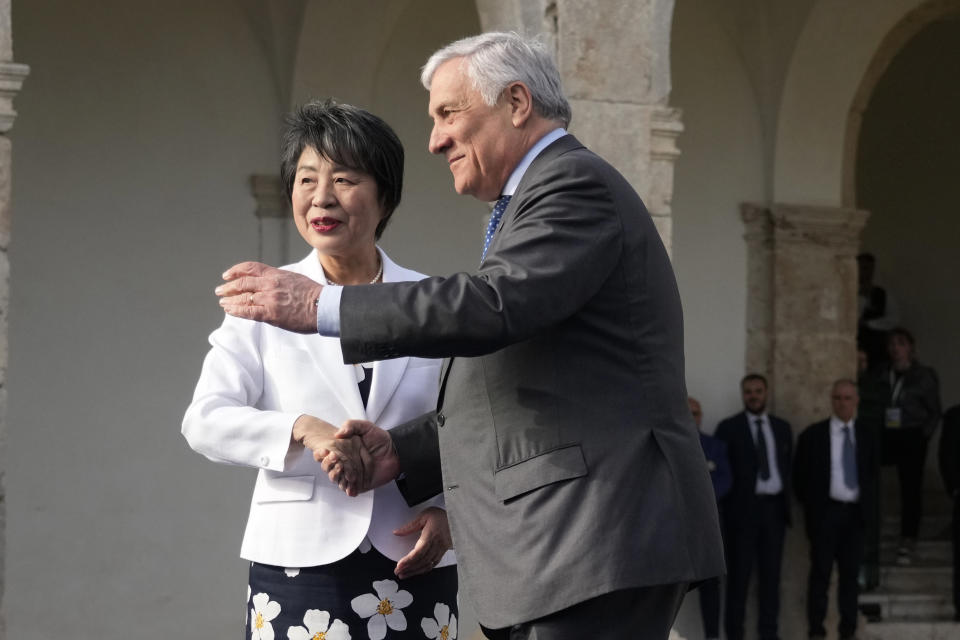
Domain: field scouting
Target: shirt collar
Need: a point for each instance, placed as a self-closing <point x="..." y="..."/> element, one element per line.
<point x="514" y="180"/>
<point x="752" y="417"/>
<point x="836" y="424"/>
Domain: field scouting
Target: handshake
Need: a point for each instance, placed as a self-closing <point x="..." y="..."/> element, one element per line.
<point x="357" y="457"/>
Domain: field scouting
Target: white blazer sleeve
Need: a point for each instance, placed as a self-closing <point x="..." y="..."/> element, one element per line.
<point x="223" y="422"/>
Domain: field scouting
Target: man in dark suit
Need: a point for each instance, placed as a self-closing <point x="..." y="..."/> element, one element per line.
<point x="757" y="509"/>
<point x="577" y="494"/>
<point x="715" y="451"/>
<point x="836" y="483"/>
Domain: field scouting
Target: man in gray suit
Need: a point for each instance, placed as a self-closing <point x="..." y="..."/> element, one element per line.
<point x="577" y="494"/>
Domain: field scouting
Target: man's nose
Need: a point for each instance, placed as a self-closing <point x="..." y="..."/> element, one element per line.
<point x="439" y="141"/>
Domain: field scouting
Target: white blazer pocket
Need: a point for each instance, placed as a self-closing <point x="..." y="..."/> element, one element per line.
<point x="284" y="488"/>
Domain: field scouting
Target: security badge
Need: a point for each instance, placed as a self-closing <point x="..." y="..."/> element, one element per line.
<point x="892" y="417"/>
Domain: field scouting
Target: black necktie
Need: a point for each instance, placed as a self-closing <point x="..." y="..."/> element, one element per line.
<point x="762" y="458"/>
<point x="849" y="459"/>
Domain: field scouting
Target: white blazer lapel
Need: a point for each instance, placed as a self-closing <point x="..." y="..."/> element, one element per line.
<point x="328" y="356"/>
<point x="386" y="379"/>
<point x="386" y="373"/>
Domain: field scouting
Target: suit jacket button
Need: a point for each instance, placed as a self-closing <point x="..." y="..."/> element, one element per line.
<point x="264" y="461"/>
<point x="440" y="420"/>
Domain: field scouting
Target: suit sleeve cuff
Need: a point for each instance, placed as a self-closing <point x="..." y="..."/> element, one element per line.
<point x="419" y="453"/>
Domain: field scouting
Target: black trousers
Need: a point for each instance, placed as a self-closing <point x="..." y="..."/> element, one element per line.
<point x="837" y="537"/>
<point x="628" y="614"/>
<point x="758" y="540"/>
<point x="907" y="448"/>
<point x="710" y="607"/>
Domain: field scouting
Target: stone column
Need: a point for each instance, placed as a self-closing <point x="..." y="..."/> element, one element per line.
<point x="614" y="58"/>
<point x="801" y="334"/>
<point x="802" y="304"/>
<point x="11" y="78"/>
<point x="273" y="217"/>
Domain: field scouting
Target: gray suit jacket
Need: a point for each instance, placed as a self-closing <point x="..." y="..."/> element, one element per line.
<point x="570" y="464"/>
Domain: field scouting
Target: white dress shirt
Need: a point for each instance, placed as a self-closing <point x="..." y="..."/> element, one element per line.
<point x="774" y="484"/>
<point x="839" y="490"/>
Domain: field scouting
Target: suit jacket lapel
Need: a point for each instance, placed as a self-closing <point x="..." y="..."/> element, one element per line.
<point x="750" y="444"/>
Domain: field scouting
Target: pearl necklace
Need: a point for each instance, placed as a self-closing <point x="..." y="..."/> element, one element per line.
<point x="375" y="280"/>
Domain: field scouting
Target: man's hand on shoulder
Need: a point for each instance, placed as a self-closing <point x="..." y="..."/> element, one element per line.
<point x="256" y="291"/>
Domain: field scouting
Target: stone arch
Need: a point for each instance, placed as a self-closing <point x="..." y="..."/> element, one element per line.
<point x="904" y="31"/>
<point x="833" y="55"/>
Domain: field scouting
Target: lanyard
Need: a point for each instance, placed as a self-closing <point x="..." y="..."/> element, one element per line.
<point x="897" y="386"/>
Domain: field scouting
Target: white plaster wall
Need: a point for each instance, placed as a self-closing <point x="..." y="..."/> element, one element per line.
<point x="834" y="51"/>
<point x="721" y="166"/>
<point x="909" y="160"/>
<point x="137" y="130"/>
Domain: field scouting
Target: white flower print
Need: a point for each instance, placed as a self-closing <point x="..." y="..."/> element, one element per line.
<point x="264" y="610"/>
<point x="317" y="629"/>
<point x="292" y="572"/>
<point x="246" y="616"/>
<point x="444" y="627"/>
<point x="383" y="609"/>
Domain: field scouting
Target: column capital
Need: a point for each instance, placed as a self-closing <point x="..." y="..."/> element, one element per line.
<point x="12" y="76"/>
<point x="757" y="223"/>
<point x="828" y="226"/>
<point x="267" y="190"/>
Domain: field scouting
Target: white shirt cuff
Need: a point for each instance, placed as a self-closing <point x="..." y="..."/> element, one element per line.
<point x="328" y="312"/>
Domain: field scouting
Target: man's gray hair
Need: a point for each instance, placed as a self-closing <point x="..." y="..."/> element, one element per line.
<point x="493" y="60"/>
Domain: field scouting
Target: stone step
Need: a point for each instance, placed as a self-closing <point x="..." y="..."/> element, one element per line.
<point x="936" y="630"/>
<point x="891" y="606"/>
<point x="916" y="579"/>
<point x="932" y="527"/>
<point x="926" y="552"/>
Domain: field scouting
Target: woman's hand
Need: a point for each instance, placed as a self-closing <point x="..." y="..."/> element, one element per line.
<point x="434" y="541"/>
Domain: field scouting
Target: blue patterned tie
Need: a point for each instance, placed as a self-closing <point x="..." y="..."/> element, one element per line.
<point x="495" y="216"/>
<point x="849" y="459"/>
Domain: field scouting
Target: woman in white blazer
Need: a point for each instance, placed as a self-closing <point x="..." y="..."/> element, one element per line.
<point x="324" y="564"/>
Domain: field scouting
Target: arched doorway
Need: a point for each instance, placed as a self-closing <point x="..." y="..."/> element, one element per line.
<point x="907" y="157"/>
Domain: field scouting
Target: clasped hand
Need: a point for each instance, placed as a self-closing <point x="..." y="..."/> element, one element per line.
<point x="357" y="457"/>
<point x="360" y="456"/>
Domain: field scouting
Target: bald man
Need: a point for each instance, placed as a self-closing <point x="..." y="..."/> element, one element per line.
<point x="835" y="481"/>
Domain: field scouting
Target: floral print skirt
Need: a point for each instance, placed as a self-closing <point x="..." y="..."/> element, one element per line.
<point x="356" y="598"/>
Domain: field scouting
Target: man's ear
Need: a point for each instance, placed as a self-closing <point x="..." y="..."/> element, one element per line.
<point x="521" y="103"/>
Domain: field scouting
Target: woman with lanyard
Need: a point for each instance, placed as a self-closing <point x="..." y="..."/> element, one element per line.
<point x="910" y="418"/>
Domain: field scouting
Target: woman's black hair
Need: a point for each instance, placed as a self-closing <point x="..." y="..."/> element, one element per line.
<point x="348" y="136"/>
